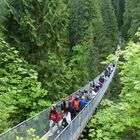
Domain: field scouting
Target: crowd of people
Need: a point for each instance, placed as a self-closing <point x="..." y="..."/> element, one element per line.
<point x="72" y="105"/>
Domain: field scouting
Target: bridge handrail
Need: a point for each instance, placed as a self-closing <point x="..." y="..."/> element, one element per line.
<point x="40" y="121"/>
<point x="21" y="128"/>
<point x="75" y="128"/>
<point x="73" y="131"/>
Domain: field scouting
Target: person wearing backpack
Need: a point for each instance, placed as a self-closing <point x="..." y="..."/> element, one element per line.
<point x="82" y="103"/>
<point x="66" y="118"/>
<point x="96" y="85"/>
<point x="70" y="99"/>
<point x="107" y="72"/>
<point x="102" y="78"/>
<point x="91" y="93"/>
<point x="71" y="110"/>
<point x="76" y="105"/>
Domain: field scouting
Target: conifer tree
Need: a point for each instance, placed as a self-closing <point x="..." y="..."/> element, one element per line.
<point x="35" y="26"/>
<point x="131" y="18"/>
<point x="63" y="40"/>
<point x="119" y="10"/>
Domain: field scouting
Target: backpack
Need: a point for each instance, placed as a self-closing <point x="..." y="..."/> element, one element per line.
<point x="101" y="79"/>
<point x="100" y="83"/>
<point x="76" y="105"/>
<point x="64" y="122"/>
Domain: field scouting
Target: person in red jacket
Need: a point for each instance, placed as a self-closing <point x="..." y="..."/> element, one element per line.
<point x="54" y="118"/>
<point x="70" y="99"/>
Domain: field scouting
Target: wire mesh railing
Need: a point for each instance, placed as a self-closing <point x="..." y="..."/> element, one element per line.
<point x="39" y="122"/>
<point x="75" y="128"/>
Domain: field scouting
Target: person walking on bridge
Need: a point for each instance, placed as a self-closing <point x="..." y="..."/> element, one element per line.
<point x="71" y="110"/>
<point x="76" y="104"/>
<point x="66" y="118"/>
<point x="82" y="103"/>
<point x="54" y="118"/>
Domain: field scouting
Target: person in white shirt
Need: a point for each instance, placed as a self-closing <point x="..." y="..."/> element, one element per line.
<point x="66" y="118"/>
<point x="91" y="93"/>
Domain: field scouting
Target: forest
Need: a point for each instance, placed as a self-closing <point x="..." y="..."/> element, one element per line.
<point x="51" y="48"/>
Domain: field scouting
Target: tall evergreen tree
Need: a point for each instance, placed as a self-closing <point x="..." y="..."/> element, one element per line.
<point x="39" y="31"/>
<point x="64" y="40"/>
<point x="110" y="22"/>
<point x="104" y="34"/>
<point x="119" y="10"/>
<point x="36" y="25"/>
<point x="131" y="18"/>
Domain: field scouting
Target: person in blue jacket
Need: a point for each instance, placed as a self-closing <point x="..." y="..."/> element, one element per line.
<point x="82" y="102"/>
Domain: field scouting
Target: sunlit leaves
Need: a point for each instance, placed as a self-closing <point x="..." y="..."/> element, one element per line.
<point x="130" y="79"/>
<point x="110" y="59"/>
<point x="19" y="88"/>
<point x="108" y="122"/>
<point x="31" y="135"/>
<point x="121" y="120"/>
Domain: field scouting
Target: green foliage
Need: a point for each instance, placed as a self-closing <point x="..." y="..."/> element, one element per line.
<point x="108" y="123"/>
<point x="130" y="79"/>
<point x="3" y="14"/>
<point x="119" y="6"/>
<point x="63" y="79"/>
<point x="55" y="71"/>
<point x="78" y="63"/>
<point x="41" y="25"/>
<point x="120" y="119"/>
<point x="105" y="34"/>
<point x="5" y="114"/>
<point x="110" y="59"/>
<point x="20" y="91"/>
<point x="3" y="11"/>
<point x="110" y="25"/>
<point x="31" y="135"/>
<point x="131" y="19"/>
<point x="93" y="28"/>
<point x="63" y="41"/>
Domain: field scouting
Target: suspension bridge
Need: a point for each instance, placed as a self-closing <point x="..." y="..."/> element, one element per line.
<point x="40" y="121"/>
